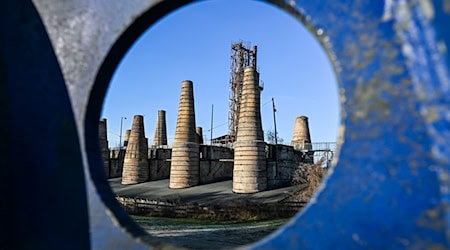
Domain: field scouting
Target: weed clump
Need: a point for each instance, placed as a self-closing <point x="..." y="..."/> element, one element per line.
<point x="310" y="175"/>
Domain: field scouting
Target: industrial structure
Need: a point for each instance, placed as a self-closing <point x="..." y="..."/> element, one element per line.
<point x="241" y="57"/>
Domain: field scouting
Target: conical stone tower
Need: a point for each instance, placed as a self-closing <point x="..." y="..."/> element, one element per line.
<point x="127" y="137"/>
<point x="160" y="138"/>
<point x="199" y="132"/>
<point x="184" y="168"/>
<point x="301" y="139"/>
<point x="250" y="170"/>
<point x="102" y="131"/>
<point x="135" y="166"/>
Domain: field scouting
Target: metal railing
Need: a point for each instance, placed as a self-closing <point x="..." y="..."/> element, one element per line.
<point x="316" y="146"/>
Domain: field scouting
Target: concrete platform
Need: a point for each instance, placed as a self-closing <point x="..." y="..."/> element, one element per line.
<point x="214" y="193"/>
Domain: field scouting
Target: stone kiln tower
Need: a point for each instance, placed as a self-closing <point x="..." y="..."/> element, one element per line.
<point x="184" y="169"/>
<point x="250" y="173"/>
<point x="127" y="137"/>
<point x="199" y="132"/>
<point x="301" y="139"/>
<point x="160" y="138"/>
<point x="102" y="131"/>
<point x="135" y="166"/>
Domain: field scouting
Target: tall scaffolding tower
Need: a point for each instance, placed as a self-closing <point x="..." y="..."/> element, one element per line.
<point x="241" y="56"/>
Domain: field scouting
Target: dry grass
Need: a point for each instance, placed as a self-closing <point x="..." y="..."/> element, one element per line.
<point x="311" y="175"/>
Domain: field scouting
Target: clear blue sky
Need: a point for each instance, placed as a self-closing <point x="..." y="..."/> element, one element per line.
<point x="194" y="43"/>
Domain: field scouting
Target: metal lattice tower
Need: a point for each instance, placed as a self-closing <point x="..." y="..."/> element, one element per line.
<point x="241" y="56"/>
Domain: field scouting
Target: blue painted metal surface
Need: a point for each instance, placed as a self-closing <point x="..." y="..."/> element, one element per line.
<point x="390" y="188"/>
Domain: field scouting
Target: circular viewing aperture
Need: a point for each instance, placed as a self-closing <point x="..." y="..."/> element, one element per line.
<point x="298" y="120"/>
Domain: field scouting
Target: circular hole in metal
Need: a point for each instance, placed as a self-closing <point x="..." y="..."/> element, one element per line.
<point x="297" y="81"/>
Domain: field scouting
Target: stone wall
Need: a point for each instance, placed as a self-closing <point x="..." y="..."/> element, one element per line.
<point x="282" y="161"/>
<point x="215" y="164"/>
<point x="159" y="163"/>
<point x="234" y="210"/>
<point x="116" y="162"/>
<point x="215" y="153"/>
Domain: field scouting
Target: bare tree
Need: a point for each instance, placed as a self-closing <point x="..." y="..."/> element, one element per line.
<point x="270" y="134"/>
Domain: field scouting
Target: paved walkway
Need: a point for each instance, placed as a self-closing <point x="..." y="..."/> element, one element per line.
<point x="214" y="193"/>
